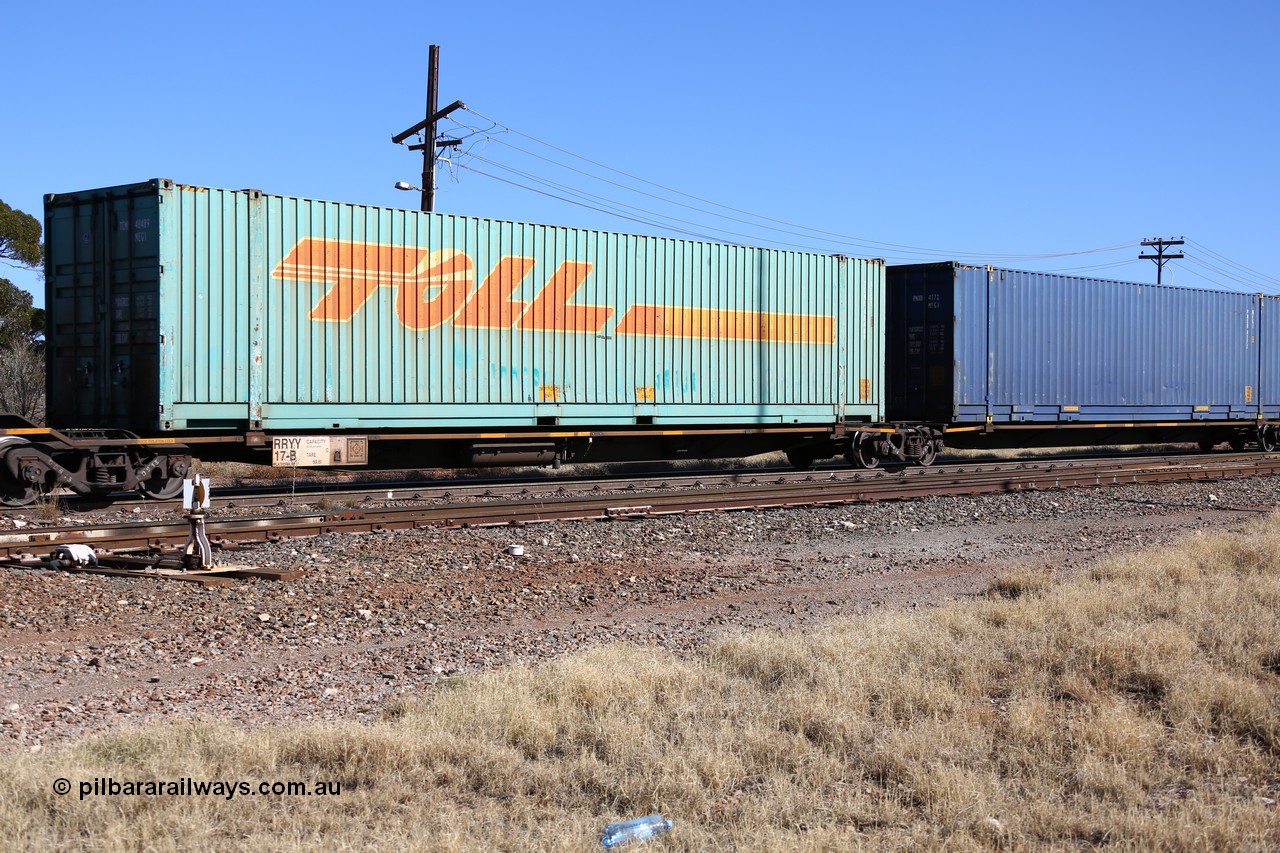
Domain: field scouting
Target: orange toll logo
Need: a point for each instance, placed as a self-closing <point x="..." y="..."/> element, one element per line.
<point x="437" y="287"/>
<point x="429" y="287"/>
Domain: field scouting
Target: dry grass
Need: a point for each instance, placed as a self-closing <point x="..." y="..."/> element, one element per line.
<point x="1137" y="708"/>
<point x="47" y="507"/>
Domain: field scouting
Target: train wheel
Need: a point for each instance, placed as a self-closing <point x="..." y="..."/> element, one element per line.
<point x="13" y="493"/>
<point x="1207" y="445"/>
<point x="862" y="454"/>
<point x="1267" y="439"/>
<point x="161" y="488"/>
<point x="1236" y="443"/>
<point x="164" y="477"/>
<point x="24" y="489"/>
<point x="929" y="455"/>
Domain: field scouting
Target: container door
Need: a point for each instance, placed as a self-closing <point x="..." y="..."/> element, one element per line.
<point x="920" y="347"/>
<point x="101" y="285"/>
<point x="1268" y="390"/>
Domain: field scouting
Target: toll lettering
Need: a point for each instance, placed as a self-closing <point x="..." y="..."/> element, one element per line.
<point x="432" y="288"/>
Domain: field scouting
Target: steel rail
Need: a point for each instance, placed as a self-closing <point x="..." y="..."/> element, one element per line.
<point x="813" y="490"/>
<point x="311" y="494"/>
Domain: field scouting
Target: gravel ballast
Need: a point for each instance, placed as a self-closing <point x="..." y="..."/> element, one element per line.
<point x="378" y="616"/>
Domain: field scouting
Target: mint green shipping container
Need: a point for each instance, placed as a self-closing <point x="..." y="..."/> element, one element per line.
<point x="183" y="310"/>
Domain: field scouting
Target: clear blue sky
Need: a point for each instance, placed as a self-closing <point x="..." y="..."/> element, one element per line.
<point x="983" y="130"/>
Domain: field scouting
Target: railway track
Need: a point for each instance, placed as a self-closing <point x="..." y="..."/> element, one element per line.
<point x="330" y="495"/>
<point x="150" y="546"/>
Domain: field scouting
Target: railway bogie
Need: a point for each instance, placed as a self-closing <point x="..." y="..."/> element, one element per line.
<point x="42" y="461"/>
<point x="915" y="445"/>
<point x="903" y="443"/>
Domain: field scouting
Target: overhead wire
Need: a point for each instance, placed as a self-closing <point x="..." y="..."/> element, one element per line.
<point x="652" y="213"/>
<point x="789" y="227"/>
<point x="657" y="197"/>
<point x="1252" y="273"/>
<point x="777" y="230"/>
<point x="1204" y="279"/>
<point x="843" y="243"/>
<point x="1094" y="267"/>
<point x="1237" y="280"/>
<point x="579" y="203"/>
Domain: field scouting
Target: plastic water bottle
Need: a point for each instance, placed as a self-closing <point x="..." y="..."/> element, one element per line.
<point x="640" y="829"/>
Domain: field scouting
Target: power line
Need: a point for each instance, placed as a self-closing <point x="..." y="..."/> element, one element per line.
<point x="661" y="216"/>
<point x="480" y="136"/>
<point x="840" y="239"/>
<point x="580" y="204"/>
<point x="1223" y="259"/>
<point x="1093" y="267"/>
<point x="491" y="162"/>
<point x="1250" y="284"/>
<point x="611" y="207"/>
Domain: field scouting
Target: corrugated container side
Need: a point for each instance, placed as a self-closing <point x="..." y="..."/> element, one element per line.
<point x="289" y="313"/>
<point x="518" y="322"/>
<point x="207" y="245"/>
<point x="1027" y="346"/>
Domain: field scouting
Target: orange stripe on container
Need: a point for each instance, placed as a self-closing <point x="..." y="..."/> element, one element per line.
<point x="667" y="321"/>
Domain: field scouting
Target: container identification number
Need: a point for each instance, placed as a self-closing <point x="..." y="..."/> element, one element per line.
<point x="300" y="451"/>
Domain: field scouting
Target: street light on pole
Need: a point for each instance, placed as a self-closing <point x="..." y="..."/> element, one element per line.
<point x="430" y="144"/>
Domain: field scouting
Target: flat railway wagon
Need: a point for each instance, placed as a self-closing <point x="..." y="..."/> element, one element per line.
<point x="995" y="358"/>
<point x="237" y="325"/>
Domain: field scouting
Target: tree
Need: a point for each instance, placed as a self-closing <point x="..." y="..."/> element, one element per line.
<point x="20" y="245"/>
<point x="20" y="320"/>
<point x="22" y="380"/>
<point x="21" y="323"/>
<point x="20" y="237"/>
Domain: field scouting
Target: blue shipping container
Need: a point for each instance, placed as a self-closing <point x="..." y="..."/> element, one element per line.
<point x="975" y="344"/>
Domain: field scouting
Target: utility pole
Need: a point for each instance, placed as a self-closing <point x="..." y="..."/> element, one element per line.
<point x="429" y="146"/>
<point x="1160" y="244"/>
